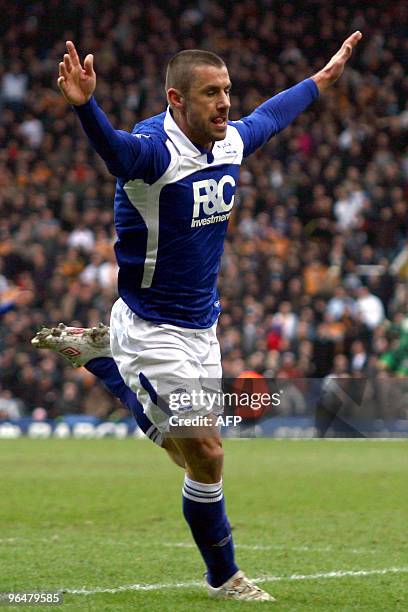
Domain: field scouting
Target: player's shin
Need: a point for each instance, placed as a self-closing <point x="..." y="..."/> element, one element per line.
<point x="107" y="371"/>
<point x="204" y="511"/>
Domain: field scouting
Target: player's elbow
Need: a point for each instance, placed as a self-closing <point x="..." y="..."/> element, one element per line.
<point x="116" y="168"/>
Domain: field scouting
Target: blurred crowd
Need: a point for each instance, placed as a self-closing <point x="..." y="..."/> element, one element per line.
<point x="314" y="274"/>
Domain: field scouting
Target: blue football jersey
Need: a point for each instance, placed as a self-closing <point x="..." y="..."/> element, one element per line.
<point x="173" y="201"/>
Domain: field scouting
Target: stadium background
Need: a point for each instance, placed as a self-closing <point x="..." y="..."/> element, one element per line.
<point x="314" y="275"/>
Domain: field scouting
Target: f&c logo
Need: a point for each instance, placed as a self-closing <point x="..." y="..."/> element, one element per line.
<point x="209" y="196"/>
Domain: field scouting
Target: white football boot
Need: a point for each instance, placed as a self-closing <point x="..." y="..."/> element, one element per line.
<point x="77" y="344"/>
<point x="239" y="587"/>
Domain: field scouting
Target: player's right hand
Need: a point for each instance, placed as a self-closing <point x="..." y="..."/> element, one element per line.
<point x="76" y="83"/>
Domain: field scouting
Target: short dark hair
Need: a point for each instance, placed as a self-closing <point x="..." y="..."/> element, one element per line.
<point x="180" y="68"/>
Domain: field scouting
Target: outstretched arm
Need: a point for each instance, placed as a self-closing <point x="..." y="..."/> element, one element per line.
<point x="278" y="112"/>
<point x="124" y="155"/>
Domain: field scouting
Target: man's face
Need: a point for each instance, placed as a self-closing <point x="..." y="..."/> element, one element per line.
<point x="206" y="105"/>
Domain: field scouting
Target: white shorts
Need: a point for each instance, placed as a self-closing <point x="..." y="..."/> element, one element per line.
<point x="172" y="370"/>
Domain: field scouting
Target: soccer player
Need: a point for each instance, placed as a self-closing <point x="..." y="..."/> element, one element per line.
<point x="176" y="178"/>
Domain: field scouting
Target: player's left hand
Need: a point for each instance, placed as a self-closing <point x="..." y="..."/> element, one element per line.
<point x="334" y="69"/>
<point x="76" y="82"/>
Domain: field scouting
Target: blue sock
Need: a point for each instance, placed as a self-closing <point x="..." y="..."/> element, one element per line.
<point x="204" y="511"/>
<point x="106" y="370"/>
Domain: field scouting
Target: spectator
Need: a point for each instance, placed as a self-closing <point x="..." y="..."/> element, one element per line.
<point x="341" y="304"/>
<point x="370" y="308"/>
<point x="14" y="86"/>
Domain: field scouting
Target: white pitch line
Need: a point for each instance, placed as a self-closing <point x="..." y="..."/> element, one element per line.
<point x="55" y="539"/>
<point x="196" y="583"/>
<point x="283" y="547"/>
<point x="9" y="540"/>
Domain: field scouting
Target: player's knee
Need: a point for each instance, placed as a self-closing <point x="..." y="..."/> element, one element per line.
<point x="212" y="450"/>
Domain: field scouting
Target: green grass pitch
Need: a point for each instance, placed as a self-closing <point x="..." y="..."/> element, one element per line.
<point x="105" y="514"/>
